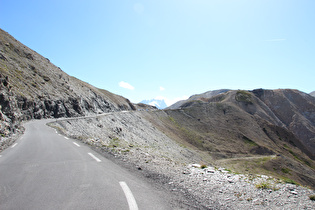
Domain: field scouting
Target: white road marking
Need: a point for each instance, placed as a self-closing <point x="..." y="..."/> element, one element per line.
<point x="95" y="158"/>
<point x="76" y="144"/>
<point x="130" y="198"/>
<point x="0" y="155"/>
<point x="14" y="145"/>
<point x="66" y="138"/>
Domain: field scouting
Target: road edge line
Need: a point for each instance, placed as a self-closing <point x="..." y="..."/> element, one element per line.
<point x="76" y="144"/>
<point x="14" y="145"/>
<point x="129" y="196"/>
<point x="95" y="158"/>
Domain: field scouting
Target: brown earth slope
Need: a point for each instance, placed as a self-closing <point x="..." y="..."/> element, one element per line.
<point x="258" y="131"/>
<point x="208" y="94"/>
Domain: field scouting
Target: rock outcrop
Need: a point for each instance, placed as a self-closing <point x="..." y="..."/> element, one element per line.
<point x="31" y="87"/>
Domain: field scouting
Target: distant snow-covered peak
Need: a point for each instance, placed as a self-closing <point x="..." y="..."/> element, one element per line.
<point x="158" y="103"/>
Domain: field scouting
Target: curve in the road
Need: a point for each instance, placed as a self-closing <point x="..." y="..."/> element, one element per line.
<point x="43" y="170"/>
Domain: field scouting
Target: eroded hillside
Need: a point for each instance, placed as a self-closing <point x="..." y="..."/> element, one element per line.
<point x="262" y="130"/>
<point x="31" y="87"/>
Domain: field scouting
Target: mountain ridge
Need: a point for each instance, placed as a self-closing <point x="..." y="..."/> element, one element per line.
<point x="207" y="94"/>
<point x="282" y="107"/>
<point x="238" y="124"/>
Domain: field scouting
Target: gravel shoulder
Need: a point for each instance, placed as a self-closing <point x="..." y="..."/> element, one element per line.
<point x="134" y="142"/>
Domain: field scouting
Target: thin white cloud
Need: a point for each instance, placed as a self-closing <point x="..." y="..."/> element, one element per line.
<point x="275" y="40"/>
<point x="126" y="85"/>
<point x="162" y="88"/>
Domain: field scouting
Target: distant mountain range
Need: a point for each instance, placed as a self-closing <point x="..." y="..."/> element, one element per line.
<point x="158" y="103"/>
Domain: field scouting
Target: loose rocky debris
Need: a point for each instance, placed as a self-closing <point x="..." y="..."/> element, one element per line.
<point x="135" y="141"/>
<point x="221" y="189"/>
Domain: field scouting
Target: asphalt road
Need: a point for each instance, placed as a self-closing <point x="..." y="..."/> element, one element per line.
<point x="44" y="170"/>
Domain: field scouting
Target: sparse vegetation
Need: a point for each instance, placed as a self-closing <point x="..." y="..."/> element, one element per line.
<point x="300" y="159"/>
<point x="229" y="170"/>
<point x="190" y="135"/>
<point x="114" y="142"/>
<point x="173" y="120"/>
<point x="285" y="170"/>
<point x="243" y="96"/>
<point x="203" y="166"/>
<point x="266" y="185"/>
<point x="290" y="181"/>
<point x="249" y="141"/>
<point x="263" y="185"/>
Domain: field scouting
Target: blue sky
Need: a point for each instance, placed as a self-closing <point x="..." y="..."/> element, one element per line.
<point x="171" y="48"/>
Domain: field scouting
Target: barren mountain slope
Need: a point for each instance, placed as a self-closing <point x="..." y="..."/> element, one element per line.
<point x="32" y="87"/>
<point x="208" y="94"/>
<point x="237" y="124"/>
<point x="312" y="93"/>
<point x="296" y="110"/>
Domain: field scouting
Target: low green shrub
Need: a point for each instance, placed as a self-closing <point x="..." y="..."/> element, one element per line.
<point x="263" y="185"/>
<point x="203" y="166"/>
<point x="290" y="181"/>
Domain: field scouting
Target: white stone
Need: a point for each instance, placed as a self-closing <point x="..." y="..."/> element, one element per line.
<point x="196" y="165"/>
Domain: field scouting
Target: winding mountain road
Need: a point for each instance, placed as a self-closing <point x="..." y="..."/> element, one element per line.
<point x="44" y="170"/>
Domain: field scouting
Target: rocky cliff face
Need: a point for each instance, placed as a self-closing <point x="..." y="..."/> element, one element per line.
<point x="31" y="87"/>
